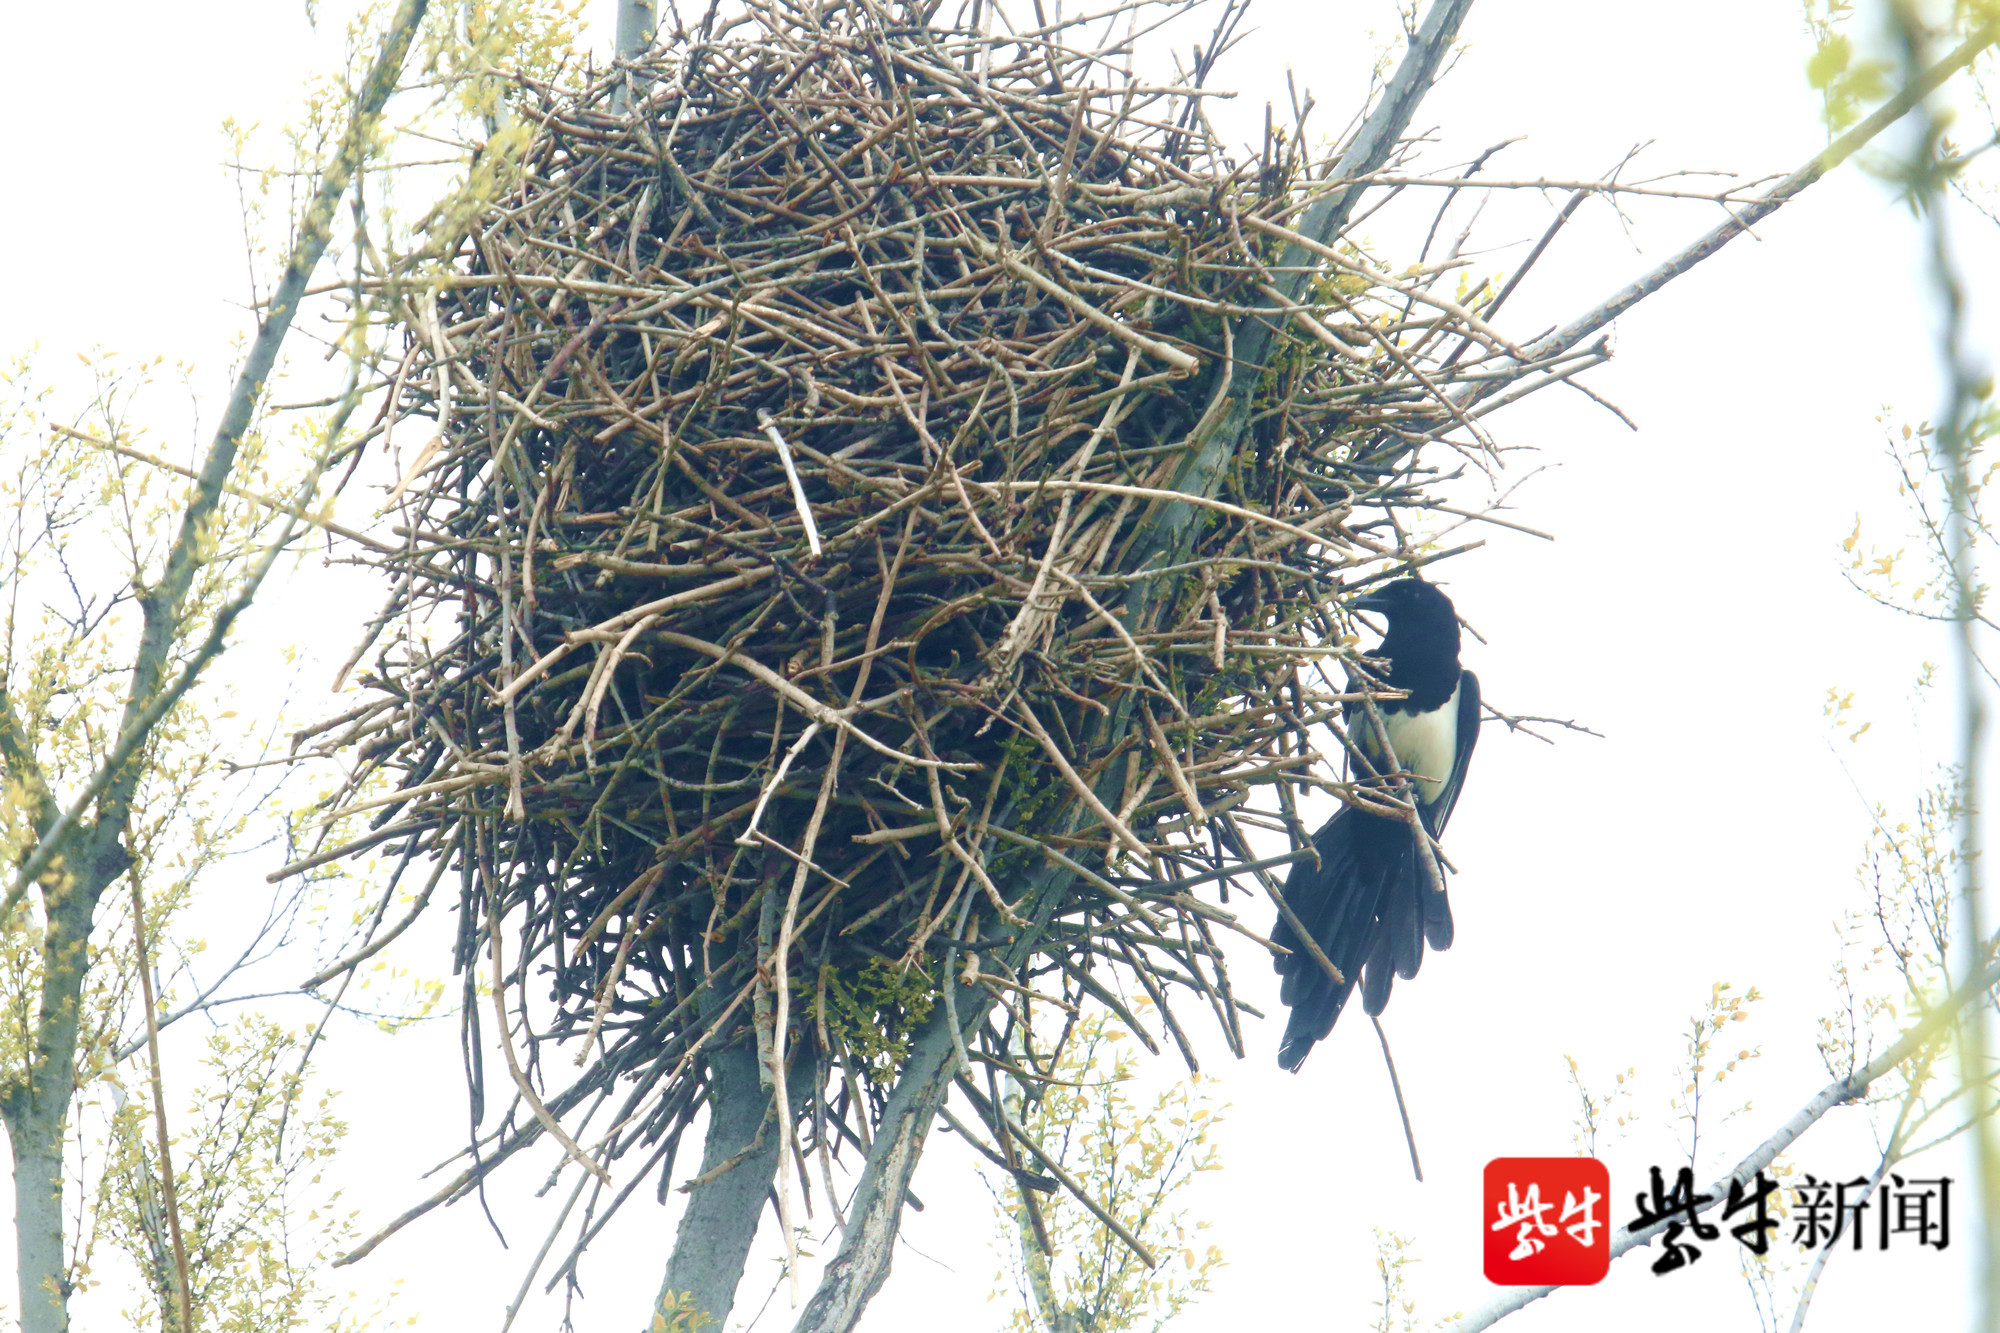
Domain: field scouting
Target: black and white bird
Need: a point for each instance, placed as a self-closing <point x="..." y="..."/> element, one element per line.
<point x="1369" y="903"/>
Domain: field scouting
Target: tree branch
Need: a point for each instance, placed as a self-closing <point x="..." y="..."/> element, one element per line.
<point x="117" y="776"/>
<point x="163" y="603"/>
<point x="1573" y="333"/>
<point x="268" y="502"/>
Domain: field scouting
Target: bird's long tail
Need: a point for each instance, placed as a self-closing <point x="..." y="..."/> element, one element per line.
<point x="1370" y="908"/>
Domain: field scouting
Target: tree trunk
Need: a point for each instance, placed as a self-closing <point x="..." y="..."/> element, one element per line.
<point x="637" y="20"/>
<point x="38" y="1222"/>
<point x="739" y="1162"/>
<point x="35" y="1108"/>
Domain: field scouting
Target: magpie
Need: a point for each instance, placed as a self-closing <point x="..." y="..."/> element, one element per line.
<point x="1368" y="903"/>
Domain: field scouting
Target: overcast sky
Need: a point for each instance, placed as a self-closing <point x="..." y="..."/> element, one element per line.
<point x="1692" y="610"/>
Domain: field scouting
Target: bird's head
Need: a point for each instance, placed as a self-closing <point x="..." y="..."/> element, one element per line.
<point x="1410" y="603"/>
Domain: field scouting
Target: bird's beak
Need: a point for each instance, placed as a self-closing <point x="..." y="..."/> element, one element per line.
<point x="1373" y="601"/>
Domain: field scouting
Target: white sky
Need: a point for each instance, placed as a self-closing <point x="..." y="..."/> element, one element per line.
<point x="1692" y="610"/>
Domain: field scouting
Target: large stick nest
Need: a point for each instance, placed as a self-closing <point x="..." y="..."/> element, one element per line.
<point x="781" y="598"/>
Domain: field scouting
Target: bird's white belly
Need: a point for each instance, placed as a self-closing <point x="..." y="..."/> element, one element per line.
<point x="1426" y="743"/>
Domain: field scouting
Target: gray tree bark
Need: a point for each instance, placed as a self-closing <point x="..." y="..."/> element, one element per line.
<point x="38" y="1222"/>
<point x="36" y="1107"/>
<point x="637" y="20"/>
<point x="739" y="1162"/>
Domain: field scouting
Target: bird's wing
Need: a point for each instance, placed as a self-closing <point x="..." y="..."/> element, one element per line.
<point x="1438" y="812"/>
